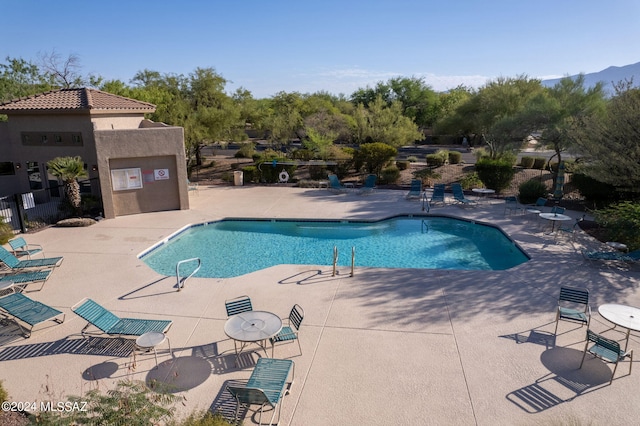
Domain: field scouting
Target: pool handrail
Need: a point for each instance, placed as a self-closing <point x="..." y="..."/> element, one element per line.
<point x="180" y="283"/>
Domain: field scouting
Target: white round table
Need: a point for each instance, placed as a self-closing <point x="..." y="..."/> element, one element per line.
<point x="148" y="341"/>
<point x="484" y="192"/>
<point x="555" y="217"/>
<point x="622" y="315"/>
<point x="618" y="246"/>
<point x="252" y="327"/>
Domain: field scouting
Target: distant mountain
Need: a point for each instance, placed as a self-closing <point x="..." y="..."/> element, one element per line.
<point x="609" y="77"/>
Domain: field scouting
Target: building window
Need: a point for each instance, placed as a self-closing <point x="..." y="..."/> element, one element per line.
<point x="26" y="139"/>
<point x="57" y="138"/>
<point x="7" y="168"/>
<point x="44" y="139"/>
<point x="77" y="138"/>
<point x="35" y="177"/>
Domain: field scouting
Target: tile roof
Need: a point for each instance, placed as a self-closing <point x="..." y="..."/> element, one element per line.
<point x="76" y="100"/>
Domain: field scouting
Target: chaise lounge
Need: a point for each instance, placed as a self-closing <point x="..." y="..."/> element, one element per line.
<point x="27" y="313"/>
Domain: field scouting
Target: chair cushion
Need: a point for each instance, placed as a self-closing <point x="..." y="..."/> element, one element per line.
<point x="573" y="314"/>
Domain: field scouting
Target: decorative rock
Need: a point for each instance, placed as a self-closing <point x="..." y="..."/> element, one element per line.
<point x="76" y="221"/>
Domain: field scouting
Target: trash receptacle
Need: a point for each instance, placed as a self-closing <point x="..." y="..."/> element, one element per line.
<point x="238" y="178"/>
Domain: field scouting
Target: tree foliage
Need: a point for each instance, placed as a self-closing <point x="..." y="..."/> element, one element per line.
<point x="375" y="156"/>
<point x="382" y="123"/>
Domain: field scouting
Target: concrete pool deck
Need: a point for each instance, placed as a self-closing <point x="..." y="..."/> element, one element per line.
<point x="386" y="347"/>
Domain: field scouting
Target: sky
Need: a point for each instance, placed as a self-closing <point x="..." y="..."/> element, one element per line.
<point x="335" y="46"/>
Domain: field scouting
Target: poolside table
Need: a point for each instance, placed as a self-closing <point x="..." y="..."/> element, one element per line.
<point x="483" y="193"/>
<point x="252" y="327"/>
<point x="554" y="217"/>
<point x="625" y="316"/>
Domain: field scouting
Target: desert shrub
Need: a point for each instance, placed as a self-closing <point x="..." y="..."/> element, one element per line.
<point x="593" y="190"/>
<point x="531" y="190"/>
<point x="480" y="153"/>
<point x="250" y="174"/>
<point x="427" y="176"/>
<point x="538" y="163"/>
<point x="205" y="419"/>
<point x="470" y="180"/>
<point x="317" y="172"/>
<point x="527" y="162"/>
<point x="375" y="156"/>
<point x="621" y="222"/>
<point x="412" y="159"/>
<point x="455" y="157"/>
<point x="131" y="403"/>
<point x="302" y="154"/>
<point x="435" y="160"/>
<point x="6" y="232"/>
<point x="569" y="166"/>
<point x="4" y="395"/>
<point x="402" y="165"/>
<point x="495" y="174"/>
<point x="246" y="151"/>
<point x="390" y="174"/>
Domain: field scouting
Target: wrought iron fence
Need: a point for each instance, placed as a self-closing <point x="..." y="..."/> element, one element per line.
<point x="43" y="207"/>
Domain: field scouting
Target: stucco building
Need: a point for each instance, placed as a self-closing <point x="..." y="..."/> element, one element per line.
<point x="135" y="165"/>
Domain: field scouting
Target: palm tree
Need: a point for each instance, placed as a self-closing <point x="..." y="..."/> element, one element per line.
<point x="69" y="169"/>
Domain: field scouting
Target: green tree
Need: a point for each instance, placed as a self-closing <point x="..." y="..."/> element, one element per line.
<point x="385" y="124"/>
<point x="610" y="141"/>
<point x="556" y="111"/>
<point x="283" y="118"/>
<point x="19" y="78"/>
<point x="69" y="169"/>
<point x="492" y="113"/>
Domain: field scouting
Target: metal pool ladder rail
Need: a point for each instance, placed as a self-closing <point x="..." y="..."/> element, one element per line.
<point x="181" y="281"/>
<point x="335" y="260"/>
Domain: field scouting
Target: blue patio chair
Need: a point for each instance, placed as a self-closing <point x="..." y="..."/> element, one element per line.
<point x="607" y="350"/>
<point x="290" y="331"/>
<point x="266" y="387"/>
<point x="512" y="205"/>
<point x="19" y="248"/>
<point x="16" y="264"/>
<point x="238" y="305"/>
<point x="615" y="256"/>
<point x="416" y="189"/>
<point x="335" y="185"/>
<point x="109" y="323"/>
<point x="369" y="185"/>
<point x="573" y="305"/>
<point x="28" y="313"/>
<point x="22" y="279"/>
<point x="438" y="193"/>
<point x="458" y="195"/>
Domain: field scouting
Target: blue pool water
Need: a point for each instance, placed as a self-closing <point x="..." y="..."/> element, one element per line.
<point x="234" y="247"/>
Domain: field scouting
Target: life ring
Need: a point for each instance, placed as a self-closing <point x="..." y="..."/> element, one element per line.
<point x="284" y="176"/>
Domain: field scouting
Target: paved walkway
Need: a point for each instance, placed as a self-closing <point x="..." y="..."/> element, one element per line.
<point x="386" y="347"/>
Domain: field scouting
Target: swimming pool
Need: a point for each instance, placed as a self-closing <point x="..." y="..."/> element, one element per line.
<point x="234" y="247"/>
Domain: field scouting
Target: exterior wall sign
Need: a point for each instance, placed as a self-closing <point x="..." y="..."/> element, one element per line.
<point x="161" y="174"/>
<point x="123" y="179"/>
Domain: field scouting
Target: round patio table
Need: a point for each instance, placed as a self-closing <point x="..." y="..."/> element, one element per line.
<point x="484" y="192"/>
<point x="625" y="316"/>
<point x="252" y="327"/>
<point x="554" y="217"/>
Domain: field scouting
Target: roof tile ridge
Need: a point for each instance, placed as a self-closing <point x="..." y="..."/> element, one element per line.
<point x="87" y="93"/>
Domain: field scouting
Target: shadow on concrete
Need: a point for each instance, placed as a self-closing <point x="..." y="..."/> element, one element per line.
<point x="564" y="382"/>
<point x="82" y="346"/>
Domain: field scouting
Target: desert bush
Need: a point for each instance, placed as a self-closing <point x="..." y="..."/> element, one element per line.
<point x="246" y="151"/>
<point x="4" y="395"/>
<point x="455" y="157"/>
<point x="390" y="174"/>
<point x="427" y="176"/>
<point x="531" y="190"/>
<point x="538" y="163"/>
<point x="470" y="180"/>
<point x="495" y="174"/>
<point x="527" y="162"/>
<point x="374" y="156"/>
<point x="412" y="159"/>
<point x="402" y="165"/>
<point x="250" y="174"/>
<point x="621" y="222"/>
<point x="435" y="160"/>
<point x="6" y="232"/>
<point x="205" y="419"/>
<point x="592" y="190"/>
